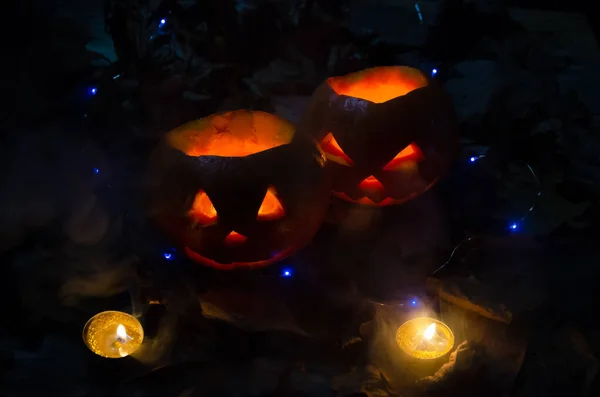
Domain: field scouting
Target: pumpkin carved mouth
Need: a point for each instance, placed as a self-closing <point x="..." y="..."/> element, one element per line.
<point x="374" y="194"/>
<point x="367" y="201"/>
<point x="193" y="255"/>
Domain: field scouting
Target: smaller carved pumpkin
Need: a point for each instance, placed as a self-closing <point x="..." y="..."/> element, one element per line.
<point x="239" y="189"/>
<point x="389" y="133"/>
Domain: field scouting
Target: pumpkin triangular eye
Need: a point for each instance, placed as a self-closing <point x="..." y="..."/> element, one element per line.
<point x="410" y="153"/>
<point x="270" y="208"/>
<point x="334" y="152"/>
<point x="203" y="211"/>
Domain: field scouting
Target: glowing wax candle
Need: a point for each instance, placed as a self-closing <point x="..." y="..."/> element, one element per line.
<point x="425" y="338"/>
<point x="113" y="334"/>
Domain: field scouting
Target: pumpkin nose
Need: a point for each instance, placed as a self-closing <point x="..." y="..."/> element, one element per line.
<point x="234" y="238"/>
<point x="372" y="188"/>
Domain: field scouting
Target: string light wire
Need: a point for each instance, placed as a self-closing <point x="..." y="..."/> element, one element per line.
<point x="513" y="226"/>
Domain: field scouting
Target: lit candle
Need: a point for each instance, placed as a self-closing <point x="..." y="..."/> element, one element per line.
<point x="113" y="334"/>
<point x="425" y="338"/>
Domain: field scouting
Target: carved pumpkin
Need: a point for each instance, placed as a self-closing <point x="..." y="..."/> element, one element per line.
<point x="239" y="189"/>
<point x="388" y="132"/>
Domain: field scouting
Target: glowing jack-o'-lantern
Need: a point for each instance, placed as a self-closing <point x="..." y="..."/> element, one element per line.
<point x="388" y="132"/>
<point x="239" y="189"/>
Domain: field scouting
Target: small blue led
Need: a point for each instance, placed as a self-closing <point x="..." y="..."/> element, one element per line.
<point x="434" y="72"/>
<point x="96" y="171"/>
<point x="168" y="256"/>
<point x="93" y="90"/>
<point x="163" y="21"/>
<point x="413" y="302"/>
<point x="513" y="226"/>
<point x="286" y="273"/>
<point x="419" y="12"/>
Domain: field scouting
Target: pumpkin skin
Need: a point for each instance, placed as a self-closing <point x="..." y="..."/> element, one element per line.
<point x="239" y="189"/>
<point x="389" y="133"/>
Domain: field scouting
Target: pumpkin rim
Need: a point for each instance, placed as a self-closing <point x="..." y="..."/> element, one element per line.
<point x="379" y="84"/>
<point x="227" y="134"/>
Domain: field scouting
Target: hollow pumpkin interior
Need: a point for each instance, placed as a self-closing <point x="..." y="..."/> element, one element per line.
<point x="379" y="84"/>
<point x="234" y="134"/>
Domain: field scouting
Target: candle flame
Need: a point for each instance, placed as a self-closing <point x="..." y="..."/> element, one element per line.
<point x="429" y="331"/>
<point x="121" y="332"/>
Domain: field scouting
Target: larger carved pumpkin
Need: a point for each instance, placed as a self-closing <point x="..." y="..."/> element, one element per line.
<point x="239" y="189"/>
<point x="389" y="133"/>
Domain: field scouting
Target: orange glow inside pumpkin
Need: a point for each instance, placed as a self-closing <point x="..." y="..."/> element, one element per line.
<point x="409" y="153"/>
<point x="234" y="238"/>
<point x="379" y="84"/>
<point x="234" y="134"/>
<point x="334" y="152"/>
<point x="270" y="208"/>
<point x="371" y="184"/>
<point x="203" y="211"/>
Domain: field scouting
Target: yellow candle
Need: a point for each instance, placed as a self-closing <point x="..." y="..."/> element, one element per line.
<point x="425" y="338"/>
<point x="113" y="334"/>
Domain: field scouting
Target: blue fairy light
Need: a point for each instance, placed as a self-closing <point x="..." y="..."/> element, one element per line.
<point x="473" y="159"/>
<point x="96" y="171"/>
<point x="93" y="90"/>
<point x="286" y="273"/>
<point x="169" y="254"/>
<point x="414" y="302"/>
<point x="434" y="72"/>
<point x="163" y="21"/>
<point x="419" y="14"/>
<point x="512" y="226"/>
